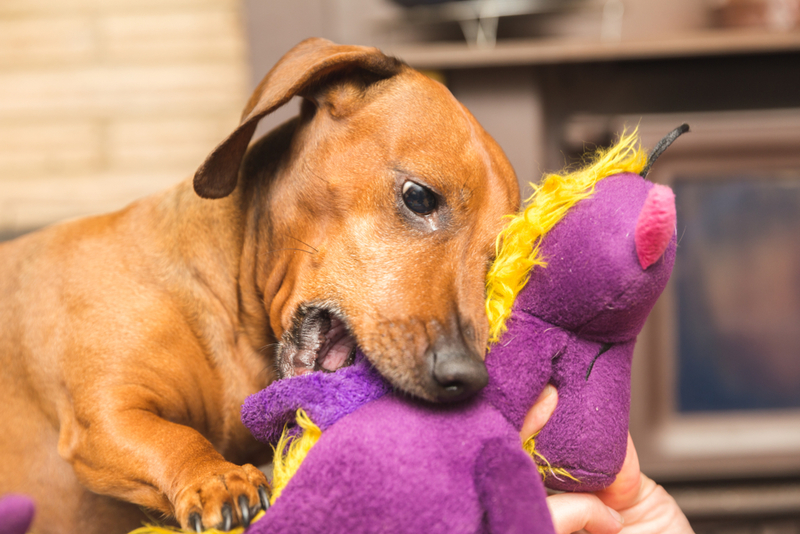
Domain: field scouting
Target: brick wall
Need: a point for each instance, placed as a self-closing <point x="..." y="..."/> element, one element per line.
<point x="104" y="101"/>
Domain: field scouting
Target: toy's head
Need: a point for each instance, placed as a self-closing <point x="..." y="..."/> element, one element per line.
<point x="597" y="271"/>
<point x="594" y="283"/>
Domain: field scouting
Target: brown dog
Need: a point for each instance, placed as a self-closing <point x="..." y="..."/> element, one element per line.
<point x="129" y="341"/>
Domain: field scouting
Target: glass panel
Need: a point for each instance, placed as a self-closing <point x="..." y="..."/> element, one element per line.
<point x="737" y="275"/>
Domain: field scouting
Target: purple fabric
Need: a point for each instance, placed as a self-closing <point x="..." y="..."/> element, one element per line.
<point x="521" y="364"/>
<point x="592" y="414"/>
<point x="16" y="514"/>
<point x="592" y="297"/>
<point x="398" y="464"/>
<point x="512" y="503"/>
<point x="326" y="398"/>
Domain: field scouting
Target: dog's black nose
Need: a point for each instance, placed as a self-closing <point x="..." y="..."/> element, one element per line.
<point x="458" y="374"/>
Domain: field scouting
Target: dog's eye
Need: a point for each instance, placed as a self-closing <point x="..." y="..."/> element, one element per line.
<point x="418" y="199"/>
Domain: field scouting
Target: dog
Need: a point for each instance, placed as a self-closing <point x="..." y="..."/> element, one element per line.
<point x="130" y="340"/>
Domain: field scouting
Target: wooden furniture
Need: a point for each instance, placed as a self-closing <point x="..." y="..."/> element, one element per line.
<point x="524" y="92"/>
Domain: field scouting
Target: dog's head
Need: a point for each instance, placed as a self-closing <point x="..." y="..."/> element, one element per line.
<point x="377" y="221"/>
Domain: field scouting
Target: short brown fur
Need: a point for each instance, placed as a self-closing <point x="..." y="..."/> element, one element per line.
<point x="130" y="340"/>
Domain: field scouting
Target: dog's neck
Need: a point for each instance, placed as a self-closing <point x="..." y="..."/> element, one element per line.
<point x="229" y="245"/>
<point x="205" y="237"/>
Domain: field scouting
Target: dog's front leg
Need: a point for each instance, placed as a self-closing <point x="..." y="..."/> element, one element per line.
<point x="132" y="453"/>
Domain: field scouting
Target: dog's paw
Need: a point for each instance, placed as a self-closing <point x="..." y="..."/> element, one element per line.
<point x="228" y="497"/>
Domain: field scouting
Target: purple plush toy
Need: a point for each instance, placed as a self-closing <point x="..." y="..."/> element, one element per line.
<point x="576" y="276"/>
<point x="16" y="514"/>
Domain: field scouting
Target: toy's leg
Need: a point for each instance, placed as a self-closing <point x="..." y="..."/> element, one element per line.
<point x="511" y="490"/>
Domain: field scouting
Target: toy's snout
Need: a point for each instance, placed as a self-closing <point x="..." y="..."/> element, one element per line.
<point x="656" y="225"/>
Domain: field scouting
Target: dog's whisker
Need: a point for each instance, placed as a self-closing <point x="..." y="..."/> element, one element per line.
<point x="288" y="248"/>
<point x="308" y="169"/>
<point x="681" y="236"/>
<point x="301" y="241"/>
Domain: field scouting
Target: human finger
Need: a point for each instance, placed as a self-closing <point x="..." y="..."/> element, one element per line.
<point x="627" y="488"/>
<point x="656" y="511"/>
<point x="572" y="512"/>
<point x="540" y="412"/>
<point x="645" y="506"/>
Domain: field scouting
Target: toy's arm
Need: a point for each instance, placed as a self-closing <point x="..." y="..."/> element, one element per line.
<point x="326" y="397"/>
<point x="520" y="365"/>
<point x="510" y="490"/>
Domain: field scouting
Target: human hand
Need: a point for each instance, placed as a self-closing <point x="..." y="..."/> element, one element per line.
<point x="633" y="504"/>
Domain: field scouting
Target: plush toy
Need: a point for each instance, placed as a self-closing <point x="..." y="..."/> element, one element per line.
<point x="595" y="277"/>
<point x="577" y="273"/>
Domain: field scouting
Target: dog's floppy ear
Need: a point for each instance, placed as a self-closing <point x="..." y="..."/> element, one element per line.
<point x="302" y="66"/>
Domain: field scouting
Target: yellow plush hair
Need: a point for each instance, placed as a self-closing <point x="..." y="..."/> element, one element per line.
<point x="288" y="459"/>
<point x="530" y="447"/>
<point x="155" y="529"/>
<point x="518" y="244"/>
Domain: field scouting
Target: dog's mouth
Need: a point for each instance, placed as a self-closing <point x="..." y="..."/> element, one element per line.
<point x="318" y="341"/>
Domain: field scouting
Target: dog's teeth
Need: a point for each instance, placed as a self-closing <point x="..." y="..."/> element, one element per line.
<point x="321" y="342"/>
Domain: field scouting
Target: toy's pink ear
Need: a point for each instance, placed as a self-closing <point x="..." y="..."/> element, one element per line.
<point x="656" y="225"/>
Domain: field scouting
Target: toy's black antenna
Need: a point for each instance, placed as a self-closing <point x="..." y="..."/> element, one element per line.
<point x="662" y="145"/>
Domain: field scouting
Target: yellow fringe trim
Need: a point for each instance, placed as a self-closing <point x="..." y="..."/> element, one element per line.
<point x="544" y="470"/>
<point x="156" y="529"/>
<point x="518" y="244"/>
<point x="290" y="454"/>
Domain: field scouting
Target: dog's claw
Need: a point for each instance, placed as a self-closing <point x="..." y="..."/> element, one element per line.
<point x="227" y="517"/>
<point x="244" y="510"/>
<point x="262" y="494"/>
<point x="195" y="523"/>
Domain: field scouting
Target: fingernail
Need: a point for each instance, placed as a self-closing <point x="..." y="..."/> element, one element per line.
<point x="548" y="391"/>
<point x="616" y="515"/>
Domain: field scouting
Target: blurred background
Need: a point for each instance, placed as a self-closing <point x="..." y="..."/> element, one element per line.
<point x="104" y="101"/>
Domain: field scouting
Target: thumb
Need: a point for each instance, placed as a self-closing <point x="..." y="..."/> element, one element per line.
<point x="573" y="512"/>
<point x="540" y="412"/>
<point x="626" y="489"/>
